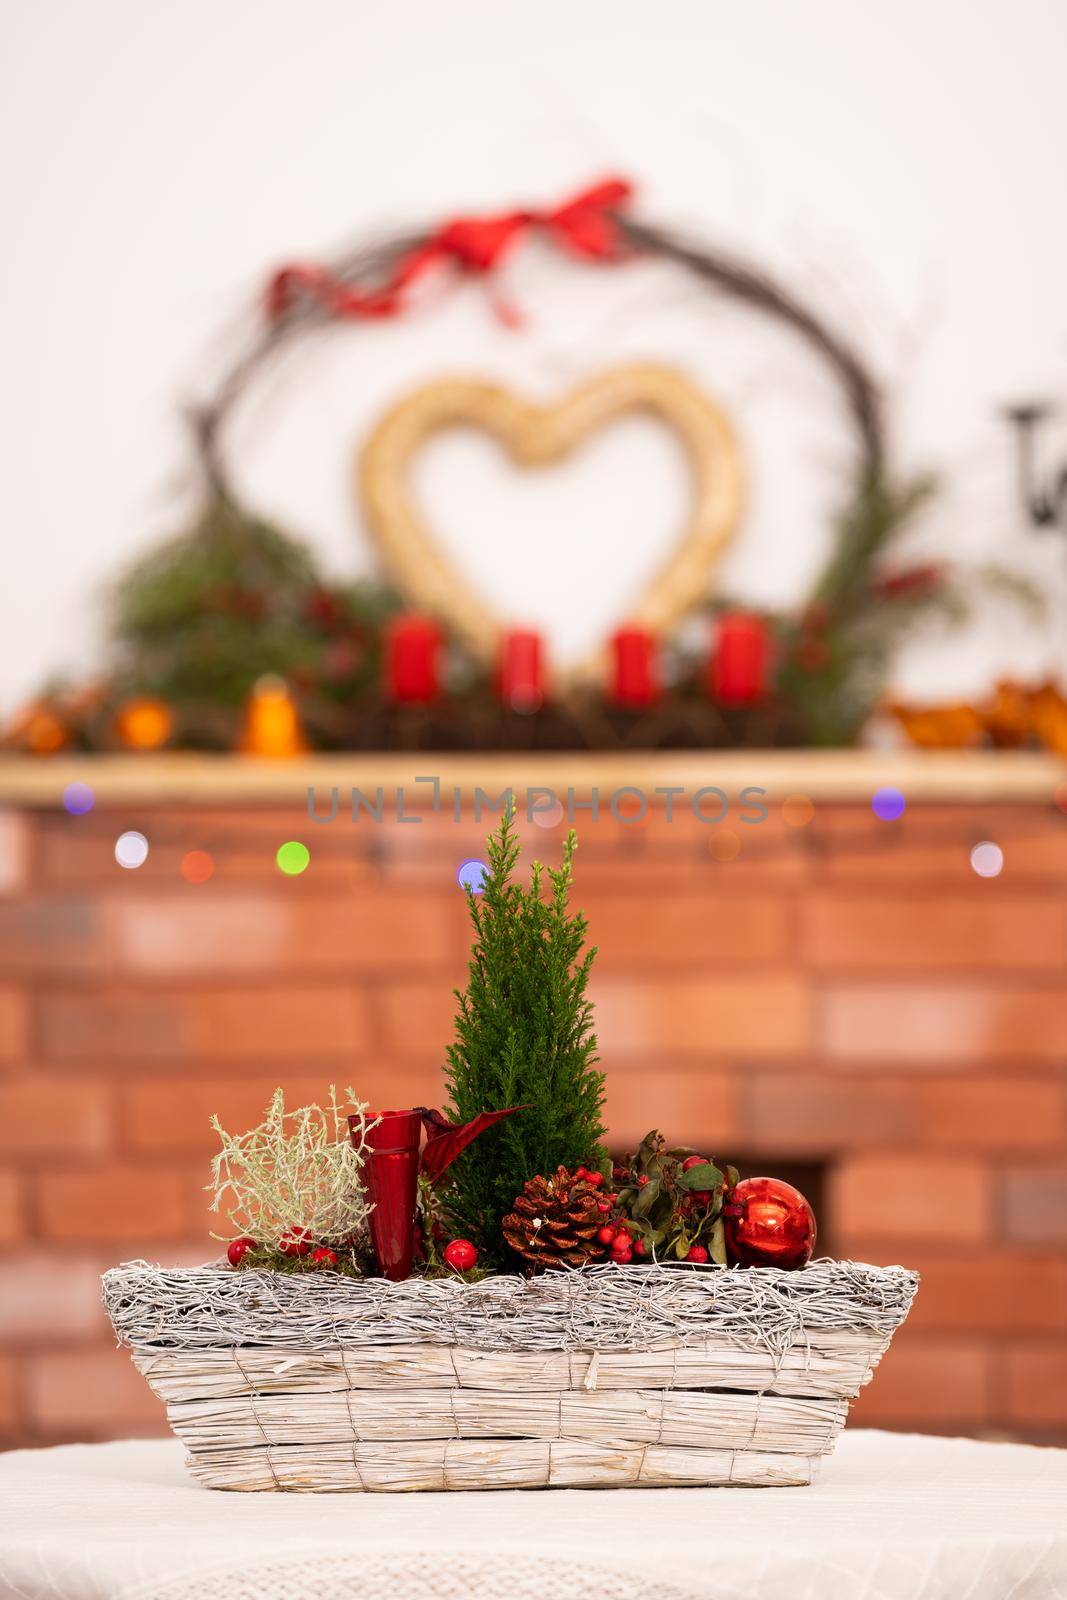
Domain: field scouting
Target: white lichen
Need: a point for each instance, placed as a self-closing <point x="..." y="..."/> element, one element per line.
<point x="297" y="1169"/>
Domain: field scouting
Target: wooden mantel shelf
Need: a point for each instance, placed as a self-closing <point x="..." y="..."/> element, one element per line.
<point x="923" y="776"/>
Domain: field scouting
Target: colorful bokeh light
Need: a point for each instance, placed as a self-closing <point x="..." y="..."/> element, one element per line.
<point x="526" y="701"/>
<point x="197" y="866"/>
<point x="78" y="799"/>
<point x="471" y="875"/>
<point x="797" y="810"/>
<point x="293" y="858"/>
<point x="987" y="859"/>
<point x="724" y="845"/>
<point x="888" y="804"/>
<point x="131" y="850"/>
<point x="549" y="816"/>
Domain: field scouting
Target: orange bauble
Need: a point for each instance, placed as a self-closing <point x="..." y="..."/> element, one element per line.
<point x="768" y="1224"/>
<point x="40" y="732"/>
<point x="1048" y="712"/>
<point x="144" y="723"/>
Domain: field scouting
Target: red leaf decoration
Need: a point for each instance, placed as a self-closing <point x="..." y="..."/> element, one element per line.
<point x="446" y="1140"/>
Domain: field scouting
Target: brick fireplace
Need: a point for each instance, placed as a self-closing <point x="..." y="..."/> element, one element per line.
<point x="845" y="1001"/>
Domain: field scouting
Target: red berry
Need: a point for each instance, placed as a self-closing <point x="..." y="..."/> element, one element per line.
<point x="581" y="1172"/>
<point x="701" y="1197"/>
<point x="694" y="1161"/>
<point x="297" y="1242"/>
<point x="606" y="1234"/>
<point x="642" y="1180"/>
<point x="237" y="1249"/>
<point x="603" y="1206"/>
<point x="623" y="1232"/>
<point x="323" y="1257"/>
<point x="696" y="1252"/>
<point x="611" y="1198"/>
<point x="595" y="1178"/>
<point x="623" y="1256"/>
<point x="640" y="1247"/>
<point x="460" y="1255"/>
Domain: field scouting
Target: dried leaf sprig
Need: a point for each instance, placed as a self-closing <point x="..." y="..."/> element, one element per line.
<point x="298" y="1170"/>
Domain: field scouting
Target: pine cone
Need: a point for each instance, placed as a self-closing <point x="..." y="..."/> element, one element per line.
<point x="555" y="1221"/>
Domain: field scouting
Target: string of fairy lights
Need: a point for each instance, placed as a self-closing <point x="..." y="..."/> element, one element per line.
<point x="197" y="864"/>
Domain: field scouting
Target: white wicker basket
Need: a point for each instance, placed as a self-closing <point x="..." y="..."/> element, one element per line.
<point x="605" y="1377"/>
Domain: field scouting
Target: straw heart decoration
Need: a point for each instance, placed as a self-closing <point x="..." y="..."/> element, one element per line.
<point x="538" y="436"/>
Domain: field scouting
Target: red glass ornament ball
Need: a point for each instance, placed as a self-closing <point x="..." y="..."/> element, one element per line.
<point x="768" y="1224"/>
<point x="460" y="1255"/>
<point x="297" y="1242"/>
<point x="237" y="1249"/>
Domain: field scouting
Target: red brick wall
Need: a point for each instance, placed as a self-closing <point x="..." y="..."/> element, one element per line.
<point x="848" y="994"/>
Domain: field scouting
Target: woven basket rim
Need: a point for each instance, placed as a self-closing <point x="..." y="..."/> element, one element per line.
<point x="605" y="1306"/>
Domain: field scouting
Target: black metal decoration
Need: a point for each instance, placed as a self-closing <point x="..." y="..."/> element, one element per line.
<point x="1045" y="505"/>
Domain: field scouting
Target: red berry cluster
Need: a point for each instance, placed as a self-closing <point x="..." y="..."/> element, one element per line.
<point x="697" y="1200"/>
<point x="671" y="1199"/>
<point x="297" y="1243"/>
<point x="617" y="1237"/>
<point x="621" y="1244"/>
<point x="614" y="1235"/>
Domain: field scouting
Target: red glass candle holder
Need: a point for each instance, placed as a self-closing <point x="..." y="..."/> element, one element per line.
<point x="392" y="1171"/>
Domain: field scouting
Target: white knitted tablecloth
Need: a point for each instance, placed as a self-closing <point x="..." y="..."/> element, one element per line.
<point x="892" y="1517"/>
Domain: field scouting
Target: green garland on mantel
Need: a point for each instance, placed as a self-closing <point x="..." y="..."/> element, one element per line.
<point x="197" y="623"/>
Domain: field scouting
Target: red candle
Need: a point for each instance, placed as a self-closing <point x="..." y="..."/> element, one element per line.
<point x="635" y="674"/>
<point x="411" y="649"/>
<point x="392" y="1168"/>
<point x="741" y="659"/>
<point x="521" y="670"/>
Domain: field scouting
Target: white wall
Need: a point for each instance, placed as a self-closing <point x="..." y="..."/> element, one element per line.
<point x="901" y="165"/>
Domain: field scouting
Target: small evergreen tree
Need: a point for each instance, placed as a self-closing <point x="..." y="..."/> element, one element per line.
<point x="524" y="1037"/>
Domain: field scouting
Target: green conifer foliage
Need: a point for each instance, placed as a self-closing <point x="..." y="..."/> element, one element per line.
<point x="524" y="1036"/>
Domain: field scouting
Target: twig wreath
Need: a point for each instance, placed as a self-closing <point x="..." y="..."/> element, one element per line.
<point x="376" y="281"/>
<point x="200" y="620"/>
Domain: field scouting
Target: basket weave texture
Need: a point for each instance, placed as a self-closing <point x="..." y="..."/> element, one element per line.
<point x="602" y="1376"/>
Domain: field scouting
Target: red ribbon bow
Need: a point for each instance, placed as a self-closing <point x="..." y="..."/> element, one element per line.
<point x="585" y="225"/>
